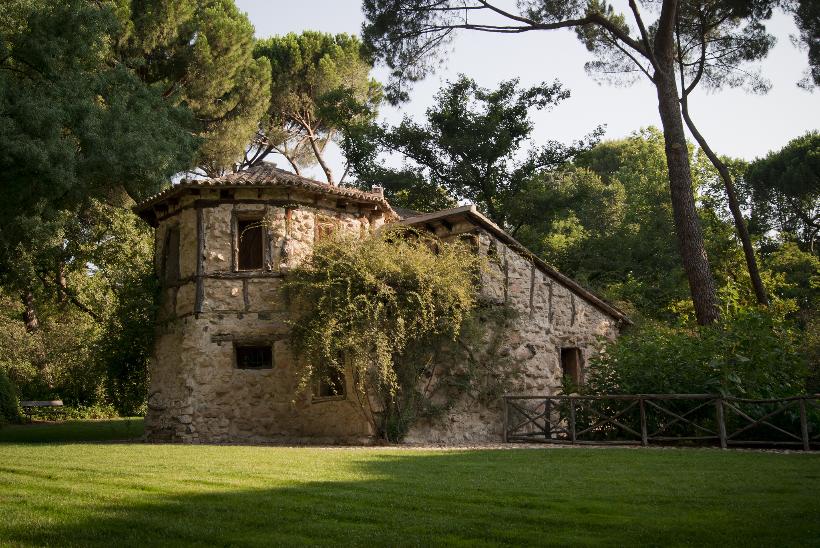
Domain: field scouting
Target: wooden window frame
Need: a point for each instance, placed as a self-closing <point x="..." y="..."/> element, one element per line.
<point x="577" y="376"/>
<point x="324" y="228"/>
<point x="237" y="221"/>
<point x="265" y="346"/>
<point x="171" y="276"/>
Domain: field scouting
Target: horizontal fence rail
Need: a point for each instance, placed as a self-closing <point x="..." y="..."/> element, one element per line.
<point x="644" y="419"/>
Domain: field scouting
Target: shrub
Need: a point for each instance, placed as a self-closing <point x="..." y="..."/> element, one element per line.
<point x="79" y="412"/>
<point x="754" y="353"/>
<point x="9" y="405"/>
<point x="361" y="304"/>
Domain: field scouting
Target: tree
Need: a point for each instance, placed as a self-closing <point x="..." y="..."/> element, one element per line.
<point x="785" y="190"/>
<point x="75" y="123"/>
<point x="713" y="41"/>
<point x="199" y="53"/>
<point x="320" y="84"/>
<point x="473" y="145"/>
<point x="605" y="220"/>
<point x="406" y="35"/>
<point x="807" y="18"/>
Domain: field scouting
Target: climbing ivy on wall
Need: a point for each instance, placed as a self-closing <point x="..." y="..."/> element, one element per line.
<point x="363" y="304"/>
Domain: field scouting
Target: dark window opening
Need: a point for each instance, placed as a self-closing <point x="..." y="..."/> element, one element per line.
<point x="330" y="384"/>
<point x="251" y="244"/>
<point x="571" y="364"/>
<point x="254" y="357"/>
<point x="170" y="273"/>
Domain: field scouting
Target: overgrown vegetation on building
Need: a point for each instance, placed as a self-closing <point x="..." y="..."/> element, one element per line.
<point x="363" y="305"/>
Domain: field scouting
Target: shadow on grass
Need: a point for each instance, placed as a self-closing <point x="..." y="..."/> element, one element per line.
<point x="465" y="498"/>
<point x="120" y="429"/>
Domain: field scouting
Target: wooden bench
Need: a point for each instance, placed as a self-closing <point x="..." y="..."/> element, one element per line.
<point x="30" y="406"/>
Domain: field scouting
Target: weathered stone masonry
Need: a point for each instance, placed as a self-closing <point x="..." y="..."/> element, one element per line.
<point x="208" y="307"/>
<point x="552" y="312"/>
<point x="196" y="391"/>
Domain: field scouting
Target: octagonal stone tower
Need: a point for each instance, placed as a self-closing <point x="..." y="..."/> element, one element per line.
<point x="221" y="368"/>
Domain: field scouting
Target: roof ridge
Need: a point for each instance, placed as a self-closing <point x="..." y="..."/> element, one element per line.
<point x="265" y="174"/>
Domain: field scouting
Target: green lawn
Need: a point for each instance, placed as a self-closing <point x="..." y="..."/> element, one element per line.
<point x="73" y="431"/>
<point x="144" y="495"/>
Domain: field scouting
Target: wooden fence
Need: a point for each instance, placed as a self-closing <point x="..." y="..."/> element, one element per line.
<point x="644" y="419"/>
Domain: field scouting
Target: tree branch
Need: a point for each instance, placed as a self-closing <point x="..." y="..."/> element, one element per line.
<point x="644" y="35"/>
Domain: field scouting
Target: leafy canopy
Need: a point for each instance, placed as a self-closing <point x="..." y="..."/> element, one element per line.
<point x="199" y="53"/>
<point x="474" y="145"/>
<point x="785" y="189"/>
<point x="320" y="84"/>
<point x="75" y="122"/>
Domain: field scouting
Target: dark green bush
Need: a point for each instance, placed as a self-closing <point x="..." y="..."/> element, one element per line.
<point x="9" y="405"/>
<point x="754" y="353"/>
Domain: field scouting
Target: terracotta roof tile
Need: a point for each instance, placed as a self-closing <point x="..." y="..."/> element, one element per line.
<point x="265" y="175"/>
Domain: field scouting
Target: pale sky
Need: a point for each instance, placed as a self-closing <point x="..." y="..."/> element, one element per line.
<point x="734" y="122"/>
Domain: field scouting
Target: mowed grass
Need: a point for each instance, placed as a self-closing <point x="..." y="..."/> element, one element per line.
<point x="144" y="495"/>
<point x="73" y="431"/>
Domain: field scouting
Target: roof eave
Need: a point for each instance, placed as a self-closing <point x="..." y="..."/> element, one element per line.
<point x="476" y="216"/>
<point x="145" y="209"/>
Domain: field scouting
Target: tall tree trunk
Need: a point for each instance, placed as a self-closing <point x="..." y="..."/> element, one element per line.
<point x="29" y="315"/>
<point x="734" y="207"/>
<point x="687" y="224"/>
<point x="321" y="160"/>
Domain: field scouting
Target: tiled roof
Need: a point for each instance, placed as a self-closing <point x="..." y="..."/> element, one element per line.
<point x="405" y="213"/>
<point x="470" y="212"/>
<point x="265" y="175"/>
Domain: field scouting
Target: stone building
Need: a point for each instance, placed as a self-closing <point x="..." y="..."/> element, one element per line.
<point x="221" y="368"/>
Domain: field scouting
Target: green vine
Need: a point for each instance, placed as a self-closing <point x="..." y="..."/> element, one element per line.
<point x="368" y="305"/>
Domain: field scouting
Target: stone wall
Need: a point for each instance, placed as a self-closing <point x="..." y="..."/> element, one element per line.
<point x="548" y="317"/>
<point x="197" y="394"/>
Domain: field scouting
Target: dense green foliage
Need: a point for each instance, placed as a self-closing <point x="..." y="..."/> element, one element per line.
<point x="751" y="353"/>
<point x="75" y="122"/>
<point x="9" y="404"/>
<point x="320" y="85"/>
<point x="95" y="322"/>
<point x="362" y="303"/>
<point x="784" y="190"/>
<point x="87" y="494"/>
<point x="101" y="104"/>
<point x="606" y="220"/>
<point x="199" y="53"/>
<point x="474" y="145"/>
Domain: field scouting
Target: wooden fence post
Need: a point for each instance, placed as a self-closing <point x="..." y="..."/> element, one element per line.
<point x="721" y="422"/>
<point x="644" y="435"/>
<point x="804" y="425"/>
<point x="572" y="419"/>
<point x="548" y="419"/>
<point x="506" y="418"/>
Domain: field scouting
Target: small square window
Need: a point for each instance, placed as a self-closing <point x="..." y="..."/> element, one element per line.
<point x="250" y="244"/>
<point x="254" y="357"/>
<point x="330" y="384"/>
